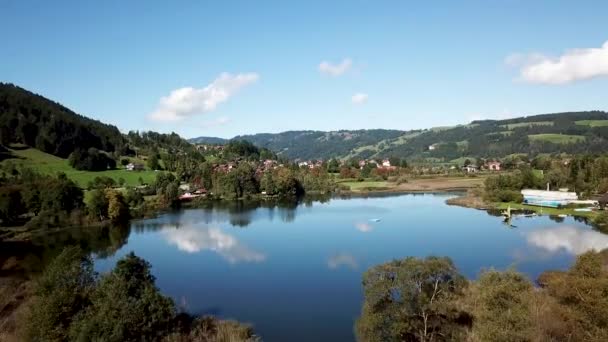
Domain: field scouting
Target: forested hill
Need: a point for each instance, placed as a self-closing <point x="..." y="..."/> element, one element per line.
<point x="572" y="132"/>
<point x="33" y="120"/>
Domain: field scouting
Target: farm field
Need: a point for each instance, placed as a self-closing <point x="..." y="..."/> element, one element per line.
<point x="50" y="164"/>
<point x="557" y="138"/>
<point x="592" y="123"/>
<point x="527" y="124"/>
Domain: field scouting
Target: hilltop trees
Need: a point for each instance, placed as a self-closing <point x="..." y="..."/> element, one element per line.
<point x="38" y="122"/>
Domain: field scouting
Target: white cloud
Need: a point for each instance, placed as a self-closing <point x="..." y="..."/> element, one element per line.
<point x="195" y="239"/>
<point x="343" y="259"/>
<point x="570" y="239"/>
<point x="188" y="101"/>
<point x="359" y="98"/>
<point x="335" y="69"/>
<point x="573" y="65"/>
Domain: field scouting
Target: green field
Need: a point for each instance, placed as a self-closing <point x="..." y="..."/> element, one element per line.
<point x="592" y="123"/>
<point x="557" y="138"/>
<point x="527" y="124"/>
<point x="366" y="185"/>
<point x="49" y="164"/>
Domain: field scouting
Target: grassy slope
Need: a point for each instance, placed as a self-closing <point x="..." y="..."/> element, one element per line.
<point x="527" y="124"/>
<point x="49" y="164"/>
<point x="592" y="123"/>
<point x="557" y="138"/>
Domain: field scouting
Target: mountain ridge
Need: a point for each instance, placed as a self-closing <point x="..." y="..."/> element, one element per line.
<point x="584" y="131"/>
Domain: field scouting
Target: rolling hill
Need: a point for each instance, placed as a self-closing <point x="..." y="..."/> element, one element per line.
<point x="571" y="132"/>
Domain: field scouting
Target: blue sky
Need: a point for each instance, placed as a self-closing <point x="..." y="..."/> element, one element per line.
<point x="222" y="68"/>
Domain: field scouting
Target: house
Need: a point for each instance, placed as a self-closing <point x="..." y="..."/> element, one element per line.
<point x="432" y="147"/>
<point x="386" y="163"/>
<point x="134" y="167"/>
<point x="362" y="163"/>
<point x="303" y="164"/>
<point x="469" y="169"/>
<point x="493" y="165"/>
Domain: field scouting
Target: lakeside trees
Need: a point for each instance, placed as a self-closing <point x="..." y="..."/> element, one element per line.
<point x="585" y="174"/>
<point x="412" y="300"/>
<point x="499" y="306"/>
<point x="73" y="303"/>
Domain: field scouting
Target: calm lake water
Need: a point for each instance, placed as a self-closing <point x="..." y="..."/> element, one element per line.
<point x="295" y="272"/>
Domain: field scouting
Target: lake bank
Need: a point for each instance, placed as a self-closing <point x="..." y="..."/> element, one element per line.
<point x="422" y="184"/>
<point x="473" y="199"/>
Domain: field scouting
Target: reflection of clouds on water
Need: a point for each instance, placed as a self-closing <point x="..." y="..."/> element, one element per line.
<point x="570" y="239"/>
<point x="193" y="240"/>
<point x="364" y="227"/>
<point x="342" y="259"/>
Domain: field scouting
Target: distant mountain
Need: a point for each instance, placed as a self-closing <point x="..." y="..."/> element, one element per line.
<point x="208" y="140"/>
<point x="572" y="132"/>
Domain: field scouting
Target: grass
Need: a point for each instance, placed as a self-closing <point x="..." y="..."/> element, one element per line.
<point x="527" y="124"/>
<point x="557" y="138"/>
<point x="49" y="164"/>
<point x="592" y="123"/>
<point x="367" y="185"/>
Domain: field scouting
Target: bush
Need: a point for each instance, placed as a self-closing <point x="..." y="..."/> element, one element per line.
<point x="508" y="196"/>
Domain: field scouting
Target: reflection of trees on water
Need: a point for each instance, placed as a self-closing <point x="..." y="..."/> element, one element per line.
<point x="33" y="255"/>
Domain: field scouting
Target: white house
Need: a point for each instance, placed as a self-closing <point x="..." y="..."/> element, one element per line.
<point x="134" y="167"/>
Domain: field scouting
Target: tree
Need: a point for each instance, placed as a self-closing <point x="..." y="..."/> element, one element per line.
<point x="118" y="210"/>
<point x="153" y="162"/>
<point x="412" y="300"/>
<point x="11" y="204"/>
<point x="126" y="306"/>
<point x="502" y="306"/>
<point x="581" y="291"/>
<point x="61" y="293"/>
<point x="97" y="204"/>
<point x="333" y="166"/>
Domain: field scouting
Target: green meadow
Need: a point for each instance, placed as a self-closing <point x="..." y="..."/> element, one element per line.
<point x="49" y="164"/>
<point x="557" y="138"/>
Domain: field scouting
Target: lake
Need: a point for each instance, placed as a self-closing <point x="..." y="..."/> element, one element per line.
<point x="295" y="272"/>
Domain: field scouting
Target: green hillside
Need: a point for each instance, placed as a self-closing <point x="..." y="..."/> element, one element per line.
<point x="572" y="132"/>
<point x="49" y="164"/>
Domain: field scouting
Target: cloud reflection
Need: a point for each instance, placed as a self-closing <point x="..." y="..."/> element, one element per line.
<point x="195" y="239"/>
<point x="570" y="239"/>
<point x="342" y="259"/>
<point x="364" y="227"/>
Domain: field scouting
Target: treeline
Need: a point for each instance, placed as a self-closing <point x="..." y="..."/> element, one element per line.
<point x="73" y="303"/>
<point x="585" y="174"/>
<point x="33" y="120"/>
<point x="244" y="180"/>
<point x="35" y="200"/>
<point x="429" y="300"/>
